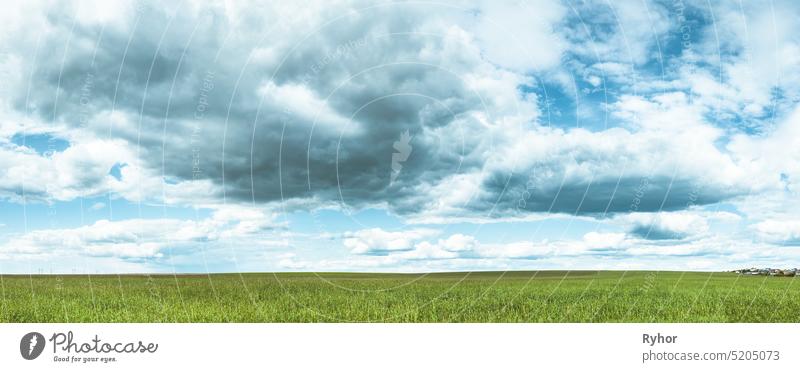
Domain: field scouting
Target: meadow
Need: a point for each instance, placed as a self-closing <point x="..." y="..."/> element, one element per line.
<point x="529" y="296"/>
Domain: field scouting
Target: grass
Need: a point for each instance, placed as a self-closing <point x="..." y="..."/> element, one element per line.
<point x="530" y="296"/>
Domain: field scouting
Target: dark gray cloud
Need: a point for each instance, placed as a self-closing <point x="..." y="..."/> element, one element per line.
<point x="656" y="233"/>
<point x="601" y="195"/>
<point x="298" y="113"/>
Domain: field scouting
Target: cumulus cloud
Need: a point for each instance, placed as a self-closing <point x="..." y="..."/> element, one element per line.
<point x="80" y="170"/>
<point x="592" y="243"/>
<point x="144" y="238"/>
<point x="779" y="232"/>
<point x="454" y="246"/>
<point x="521" y="36"/>
<point x="379" y="241"/>
<point x="594" y="250"/>
<point x="468" y="247"/>
<point x="662" y="226"/>
<point x="312" y="117"/>
<point x="201" y="104"/>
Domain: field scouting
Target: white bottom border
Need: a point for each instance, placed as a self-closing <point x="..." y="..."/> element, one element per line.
<point x="406" y="347"/>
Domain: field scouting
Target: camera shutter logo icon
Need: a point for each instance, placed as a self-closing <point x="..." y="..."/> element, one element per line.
<point x="31" y="345"/>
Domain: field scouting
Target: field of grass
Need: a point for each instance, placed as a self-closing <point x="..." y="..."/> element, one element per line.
<point x="544" y="296"/>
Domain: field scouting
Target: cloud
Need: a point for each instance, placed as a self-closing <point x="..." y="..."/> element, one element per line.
<point x="460" y="246"/>
<point x="779" y="232"/>
<point x="591" y="243"/>
<point x="145" y="238"/>
<point x="757" y="54"/>
<point x="617" y="32"/>
<point x="665" y="225"/>
<point x="765" y="158"/>
<point x="310" y="119"/>
<point x="80" y="170"/>
<point x="377" y="241"/>
<point x="125" y="239"/>
<point x="521" y="36"/>
<point x="458" y="242"/>
<point x="596" y="240"/>
<point x="594" y="250"/>
<point x="456" y="245"/>
<point x="631" y="116"/>
<point x="428" y="251"/>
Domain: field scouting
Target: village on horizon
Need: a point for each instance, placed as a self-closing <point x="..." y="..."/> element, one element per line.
<point x="768" y="271"/>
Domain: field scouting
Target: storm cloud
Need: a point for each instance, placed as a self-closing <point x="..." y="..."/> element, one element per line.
<point x="270" y="105"/>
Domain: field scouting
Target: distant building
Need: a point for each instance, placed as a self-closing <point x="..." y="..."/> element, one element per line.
<point x="768" y="271"/>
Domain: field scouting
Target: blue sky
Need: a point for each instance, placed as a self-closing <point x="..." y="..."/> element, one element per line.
<point x="371" y="136"/>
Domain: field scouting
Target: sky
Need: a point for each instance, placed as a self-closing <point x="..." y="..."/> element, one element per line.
<point x="222" y="136"/>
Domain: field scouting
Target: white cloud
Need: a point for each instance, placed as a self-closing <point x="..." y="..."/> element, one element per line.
<point x="779" y="232"/>
<point x="376" y="240"/>
<point x="468" y="81"/>
<point x="666" y="225"/>
<point x="300" y="100"/>
<point x="596" y="240"/>
<point x="147" y="238"/>
<point x="767" y="160"/>
<point x="452" y="247"/>
<point x="636" y="29"/>
<point x="458" y="242"/>
<point x="758" y="53"/>
<point x="80" y="170"/>
<point x="517" y="250"/>
<point x="427" y="250"/>
<point x="521" y="36"/>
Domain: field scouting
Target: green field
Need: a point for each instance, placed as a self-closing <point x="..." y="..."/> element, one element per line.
<point x="543" y="296"/>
